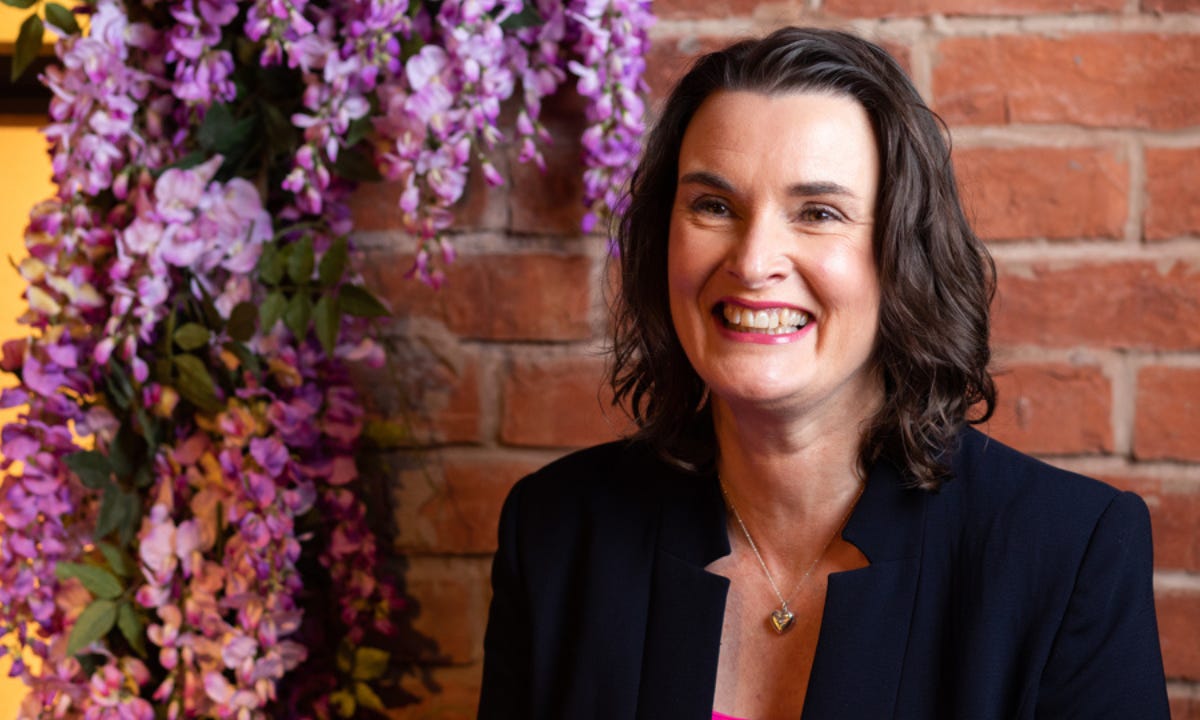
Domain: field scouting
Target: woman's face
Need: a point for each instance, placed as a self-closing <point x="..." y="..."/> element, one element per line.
<point x="773" y="288"/>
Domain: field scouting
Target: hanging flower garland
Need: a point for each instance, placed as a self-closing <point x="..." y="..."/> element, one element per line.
<point x="183" y="526"/>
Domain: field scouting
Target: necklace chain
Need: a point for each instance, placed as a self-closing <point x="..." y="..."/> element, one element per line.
<point x="781" y="619"/>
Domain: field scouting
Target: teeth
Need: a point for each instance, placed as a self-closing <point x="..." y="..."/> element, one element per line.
<point x="775" y="321"/>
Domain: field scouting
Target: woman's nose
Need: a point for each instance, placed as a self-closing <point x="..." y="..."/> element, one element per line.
<point x="757" y="257"/>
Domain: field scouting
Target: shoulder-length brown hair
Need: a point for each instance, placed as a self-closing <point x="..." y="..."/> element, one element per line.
<point x="936" y="277"/>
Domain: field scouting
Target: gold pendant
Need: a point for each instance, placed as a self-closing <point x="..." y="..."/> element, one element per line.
<point x="781" y="620"/>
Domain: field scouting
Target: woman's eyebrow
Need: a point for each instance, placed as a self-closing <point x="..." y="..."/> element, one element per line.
<point x="803" y="189"/>
<point x="702" y="177"/>
<point x="807" y="189"/>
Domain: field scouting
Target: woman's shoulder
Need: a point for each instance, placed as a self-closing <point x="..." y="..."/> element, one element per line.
<point x="623" y="479"/>
<point x="997" y="488"/>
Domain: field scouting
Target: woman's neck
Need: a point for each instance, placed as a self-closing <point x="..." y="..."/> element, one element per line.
<point x="789" y="478"/>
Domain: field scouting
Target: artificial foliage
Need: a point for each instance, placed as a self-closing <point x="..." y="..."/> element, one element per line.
<point x="183" y="527"/>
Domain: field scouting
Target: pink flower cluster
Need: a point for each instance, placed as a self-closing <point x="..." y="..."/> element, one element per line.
<point x="228" y="447"/>
<point x="218" y="553"/>
<point x="612" y="48"/>
<point x="182" y="221"/>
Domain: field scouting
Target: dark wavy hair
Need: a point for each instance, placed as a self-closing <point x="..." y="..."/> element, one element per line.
<point x="936" y="277"/>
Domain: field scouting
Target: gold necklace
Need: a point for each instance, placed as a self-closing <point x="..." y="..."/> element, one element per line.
<point x="781" y="620"/>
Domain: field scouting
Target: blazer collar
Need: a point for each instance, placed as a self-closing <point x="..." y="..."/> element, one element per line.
<point x="860" y="651"/>
<point x="864" y="630"/>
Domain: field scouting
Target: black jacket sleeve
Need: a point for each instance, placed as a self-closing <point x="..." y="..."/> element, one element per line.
<point x="506" y="664"/>
<point x="1106" y="661"/>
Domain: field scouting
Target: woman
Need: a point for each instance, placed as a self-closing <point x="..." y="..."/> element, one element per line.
<point x="804" y="524"/>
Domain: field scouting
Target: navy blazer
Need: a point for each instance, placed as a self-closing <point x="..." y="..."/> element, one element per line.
<point x="1017" y="591"/>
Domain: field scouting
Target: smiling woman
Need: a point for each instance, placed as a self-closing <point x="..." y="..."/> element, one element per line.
<point x="804" y="524"/>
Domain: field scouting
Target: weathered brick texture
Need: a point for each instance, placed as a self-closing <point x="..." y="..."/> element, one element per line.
<point x="1038" y="192"/>
<point x="1034" y="400"/>
<point x="1076" y="129"/>
<point x="1104" y="80"/>
<point x="1172" y="179"/>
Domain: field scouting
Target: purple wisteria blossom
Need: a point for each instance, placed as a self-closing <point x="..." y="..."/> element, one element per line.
<point x="182" y="471"/>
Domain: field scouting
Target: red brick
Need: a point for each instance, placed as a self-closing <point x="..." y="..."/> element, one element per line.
<point x="1172" y="177"/>
<point x="464" y="510"/>
<point x="1172" y="6"/>
<point x="1034" y="399"/>
<point x="535" y="296"/>
<point x="670" y="58"/>
<point x="452" y="596"/>
<point x="1131" y="304"/>
<point x="1174" y="515"/>
<point x="1178" y="627"/>
<point x="1098" y="80"/>
<point x="1185" y="701"/>
<point x="429" y="388"/>
<point x="456" y="696"/>
<point x="558" y="402"/>
<point x="551" y="202"/>
<point x="1054" y="193"/>
<point x="910" y="8"/>
<point x="1167" y="424"/>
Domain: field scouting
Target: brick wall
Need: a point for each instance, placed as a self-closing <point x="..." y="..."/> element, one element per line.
<point x="1076" y="126"/>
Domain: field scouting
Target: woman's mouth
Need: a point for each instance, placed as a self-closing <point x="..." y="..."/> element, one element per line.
<point x="768" y="321"/>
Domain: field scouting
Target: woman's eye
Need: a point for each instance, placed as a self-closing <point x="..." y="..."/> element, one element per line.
<point x="711" y="206"/>
<point x="819" y="213"/>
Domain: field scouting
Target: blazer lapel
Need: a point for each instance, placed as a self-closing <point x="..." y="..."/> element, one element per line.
<point x="687" y="604"/>
<point x="864" y="630"/>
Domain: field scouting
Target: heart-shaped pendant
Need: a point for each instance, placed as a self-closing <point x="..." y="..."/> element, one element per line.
<point x="782" y="619"/>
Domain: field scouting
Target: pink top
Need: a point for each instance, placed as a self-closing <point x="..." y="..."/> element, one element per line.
<point x="719" y="716"/>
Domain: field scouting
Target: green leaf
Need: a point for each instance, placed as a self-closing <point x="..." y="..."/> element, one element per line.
<point x="120" y="510"/>
<point x="120" y="390"/>
<point x="300" y="262"/>
<point x="91" y="466"/>
<point x="92" y="624"/>
<point x="20" y="4"/>
<point x="367" y="698"/>
<point x="333" y="263"/>
<point x="359" y="129"/>
<point x="195" y="384"/>
<point x="132" y="628"/>
<point x="118" y="560"/>
<point x="109" y="518"/>
<point x="343" y="703"/>
<point x="386" y="434"/>
<point x="356" y="164"/>
<point x="192" y="336"/>
<point x="62" y="18"/>
<point x="271" y="310"/>
<point x="218" y="123"/>
<point x="186" y="162"/>
<point x="328" y="321"/>
<point x="242" y="321"/>
<point x="528" y="17"/>
<point x="345" y="657"/>
<point x="131" y="516"/>
<point x="298" y="314"/>
<point x="29" y="42"/>
<point x="143" y="477"/>
<point x="355" y="300"/>
<point x="370" y="663"/>
<point x="97" y="580"/>
<point x="126" y="452"/>
<point x="270" y="265"/>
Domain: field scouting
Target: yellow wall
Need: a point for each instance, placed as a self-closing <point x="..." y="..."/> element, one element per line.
<point x="24" y="180"/>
